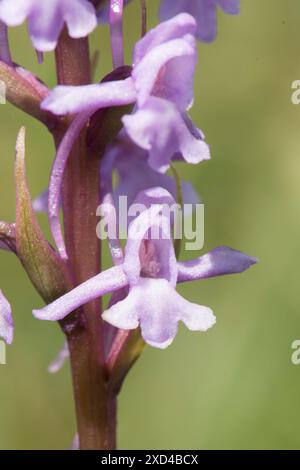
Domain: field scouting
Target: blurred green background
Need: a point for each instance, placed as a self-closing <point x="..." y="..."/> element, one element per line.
<point x="235" y="386"/>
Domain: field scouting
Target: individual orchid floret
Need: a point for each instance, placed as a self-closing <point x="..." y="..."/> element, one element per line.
<point x="205" y="12"/>
<point x="162" y="130"/>
<point x="46" y="19"/>
<point x="151" y="272"/>
<point x="130" y="163"/>
<point x="6" y="321"/>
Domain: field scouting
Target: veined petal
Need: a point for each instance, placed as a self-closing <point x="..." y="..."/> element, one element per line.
<point x="88" y="98"/>
<point x="104" y="283"/>
<point x="218" y="262"/>
<point x="6" y="321"/>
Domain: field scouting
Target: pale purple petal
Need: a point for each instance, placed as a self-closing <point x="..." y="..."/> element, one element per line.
<point x="175" y="28"/>
<point x="167" y="71"/>
<point x="47" y="17"/>
<point x="157" y="307"/>
<point x="218" y="262"/>
<point x="80" y="17"/>
<point x="13" y="13"/>
<point x="6" y="320"/>
<point x="60" y="359"/>
<point x="162" y="130"/>
<point x="104" y="283"/>
<point x="45" y="23"/>
<point x="74" y="99"/>
<point x="124" y="314"/>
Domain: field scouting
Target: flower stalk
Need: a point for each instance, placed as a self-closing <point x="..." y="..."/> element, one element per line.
<point x="80" y="196"/>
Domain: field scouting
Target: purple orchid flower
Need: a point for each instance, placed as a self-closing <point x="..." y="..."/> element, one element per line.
<point x="151" y="272"/>
<point x="46" y="19"/>
<point x="161" y="85"/>
<point x="6" y="321"/>
<point x="205" y="12"/>
<point x="130" y="163"/>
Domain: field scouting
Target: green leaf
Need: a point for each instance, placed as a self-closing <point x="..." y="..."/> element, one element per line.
<point x="46" y="270"/>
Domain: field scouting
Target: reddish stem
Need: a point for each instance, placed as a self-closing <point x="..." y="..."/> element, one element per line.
<point x="94" y="403"/>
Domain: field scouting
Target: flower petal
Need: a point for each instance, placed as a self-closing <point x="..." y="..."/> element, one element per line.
<point x="161" y="129"/>
<point x="80" y="18"/>
<point x="104" y="283"/>
<point x="74" y="99"/>
<point x="175" y="28"/>
<point x="154" y="226"/>
<point x="14" y="13"/>
<point x="46" y="19"/>
<point x="6" y="321"/>
<point x="156" y="305"/>
<point x="155" y="73"/>
<point x="218" y="262"/>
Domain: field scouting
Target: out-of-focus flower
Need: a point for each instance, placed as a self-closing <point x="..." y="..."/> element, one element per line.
<point x="151" y="271"/>
<point x="134" y="175"/>
<point x="205" y="12"/>
<point x="46" y="19"/>
<point x="6" y="321"/>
